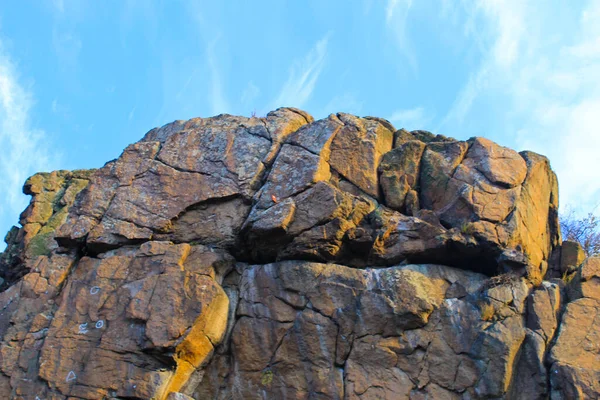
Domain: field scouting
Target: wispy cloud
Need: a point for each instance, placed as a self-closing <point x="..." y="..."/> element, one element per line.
<point x="303" y="77"/>
<point x="184" y="89"/>
<point x="414" y="118"/>
<point x="131" y="114"/>
<point x="565" y="120"/>
<point x="390" y="9"/>
<point x="250" y="93"/>
<point x="396" y="18"/>
<point x="59" y="5"/>
<point x="547" y="85"/>
<point x="503" y="24"/>
<point x="66" y="41"/>
<point x="24" y="149"/>
<point x="345" y="102"/>
<point x="465" y="98"/>
<point x="60" y="109"/>
<point x="218" y="101"/>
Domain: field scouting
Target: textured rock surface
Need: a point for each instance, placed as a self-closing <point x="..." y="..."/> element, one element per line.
<point x="287" y="258"/>
<point x="52" y="195"/>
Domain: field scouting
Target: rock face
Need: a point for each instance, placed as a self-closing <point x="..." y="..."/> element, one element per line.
<point x="52" y="196"/>
<point x="287" y="258"/>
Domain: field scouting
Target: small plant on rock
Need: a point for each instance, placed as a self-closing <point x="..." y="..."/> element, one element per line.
<point x="266" y="378"/>
<point x="466" y="228"/>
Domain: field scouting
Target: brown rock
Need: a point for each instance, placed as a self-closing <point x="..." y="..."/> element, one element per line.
<point x="543" y="310"/>
<point x="586" y="282"/>
<point x="357" y="149"/>
<point x="154" y="183"/>
<point x="571" y="256"/>
<point x="178" y="396"/>
<point x="209" y="169"/>
<point x="402" y="136"/>
<point x="295" y="170"/>
<point x="113" y="312"/>
<point x="406" y="338"/>
<point x="575" y="370"/>
<point x="531" y="222"/>
<point x="530" y="377"/>
<point x="234" y="258"/>
<point x="52" y="195"/>
<point x="311" y="224"/>
<point x="400" y="171"/>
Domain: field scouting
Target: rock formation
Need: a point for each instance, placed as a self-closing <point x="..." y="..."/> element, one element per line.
<point x="287" y="258"/>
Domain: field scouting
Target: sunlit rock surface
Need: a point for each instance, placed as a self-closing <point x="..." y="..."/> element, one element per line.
<point x="287" y="258"/>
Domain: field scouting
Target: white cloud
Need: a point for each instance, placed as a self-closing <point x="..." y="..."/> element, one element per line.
<point x="131" y="114"/>
<point x="184" y="89"/>
<point x="541" y="71"/>
<point x="59" y="5"/>
<point x="396" y="18"/>
<point x="218" y="101"/>
<point x="24" y="148"/>
<point x="303" y="77"/>
<point x="510" y="24"/>
<point x="465" y="98"/>
<point x="410" y="119"/>
<point x="564" y="123"/>
<point x="499" y="34"/>
<point x="250" y="93"/>
<point x="345" y="102"/>
<point x="390" y="9"/>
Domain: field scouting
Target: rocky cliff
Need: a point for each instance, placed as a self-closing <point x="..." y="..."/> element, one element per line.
<point x="287" y="258"/>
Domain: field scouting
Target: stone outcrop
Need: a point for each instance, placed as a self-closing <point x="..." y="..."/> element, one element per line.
<point x="287" y="258"/>
<point x="52" y="196"/>
<point x="575" y="365"/>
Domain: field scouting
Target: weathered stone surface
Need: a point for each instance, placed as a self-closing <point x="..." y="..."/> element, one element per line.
<point x="357" y="150"/>
<point x="571" y="256"/>
<point x="386" y="333"/>
<point x="543" y="310"/>
<point x="178" y="396"/>
<point x="530" y="375"/>
<point x="585" y="282"/>
<point x="178" y="168"/>
<point x="121" y="317"/>
<point x="52" y="195"/>
<point x="575" y="365"/>
<point x="400" y="171"/>
<point x="230" y="171"/>
<point x="402" y="136"/>
<point x="287" y="258"/>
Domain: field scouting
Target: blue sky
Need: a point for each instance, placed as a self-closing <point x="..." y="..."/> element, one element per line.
<point x="81" y="80"/>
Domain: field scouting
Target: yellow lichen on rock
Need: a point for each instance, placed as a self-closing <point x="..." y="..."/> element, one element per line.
<point x="197" y="347"/>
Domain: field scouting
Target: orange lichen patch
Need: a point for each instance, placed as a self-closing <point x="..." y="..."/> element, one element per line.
<point x="197" y="347"/>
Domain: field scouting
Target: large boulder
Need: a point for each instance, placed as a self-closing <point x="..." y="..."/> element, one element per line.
<point x="309" y="330"/>
<point x="176" y="170"/>
<point x="287" y="258"/>
<point x="245" y="185"/>
<point x="122" y="318"/>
